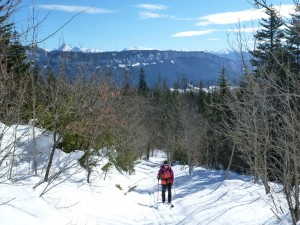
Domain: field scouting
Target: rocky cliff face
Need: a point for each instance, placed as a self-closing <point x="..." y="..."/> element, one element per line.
<point x="168" y="65"/>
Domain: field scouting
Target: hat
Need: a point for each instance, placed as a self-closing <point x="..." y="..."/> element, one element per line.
<point x="165" y="162"/>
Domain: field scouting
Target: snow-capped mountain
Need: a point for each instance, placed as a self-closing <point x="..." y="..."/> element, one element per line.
<point x="137" y="49"/>
<point x="166" y="65"/>
<point x="68" y="48"/>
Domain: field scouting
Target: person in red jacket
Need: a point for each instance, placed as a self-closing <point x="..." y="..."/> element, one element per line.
<point x="166" y="175"/>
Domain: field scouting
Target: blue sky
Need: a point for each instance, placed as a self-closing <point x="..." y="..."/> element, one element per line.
<point x="113" y="25"/>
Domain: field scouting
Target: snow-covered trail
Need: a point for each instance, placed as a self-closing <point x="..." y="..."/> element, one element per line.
<point x="201" y="199"/>
<point x="164" y="215"/>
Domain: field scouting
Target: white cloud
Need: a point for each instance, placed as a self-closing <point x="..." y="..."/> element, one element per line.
<point x="149" y="15"/>
<point x="209" y="31"/>
<point x="193" y="33"/>
<point x="152" y="6"/>
<point x="241" y="16"/>
<point x="285" y="10"/>
<point x="73" y="8"/>
<point x="245" y="30"/>
<point x="152" y="15"/>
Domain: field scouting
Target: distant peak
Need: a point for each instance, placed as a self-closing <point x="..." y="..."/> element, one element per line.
<point x="68" y="48"/>
<point x="138" y="49"/>
<point x="65" y="48"/>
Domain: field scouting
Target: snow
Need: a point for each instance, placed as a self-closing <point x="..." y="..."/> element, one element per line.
<point x="138" y="49"/>
<point x="136" y="65"/>
<point x="68" y="48"/>
<point x="202" y="198"/>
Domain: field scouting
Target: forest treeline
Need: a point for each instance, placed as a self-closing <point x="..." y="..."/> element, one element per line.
<point x="252" y="127"/>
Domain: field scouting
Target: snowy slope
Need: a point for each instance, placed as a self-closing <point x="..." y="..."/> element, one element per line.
<point x="203" y="198"/>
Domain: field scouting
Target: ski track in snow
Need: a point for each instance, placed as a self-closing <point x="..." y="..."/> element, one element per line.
<point x="203" y="198"/>
<point x="181" y="213"/>
<point x="164" y="214"/>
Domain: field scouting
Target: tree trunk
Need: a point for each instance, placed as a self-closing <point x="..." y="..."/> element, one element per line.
<point x="13" y="154"/>
<point x="148" y="152"/>
<point x="229" y="163"/>
<point x="50" y="158"/>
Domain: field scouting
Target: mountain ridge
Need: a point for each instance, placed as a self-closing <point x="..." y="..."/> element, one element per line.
<point x="168" y="65"/>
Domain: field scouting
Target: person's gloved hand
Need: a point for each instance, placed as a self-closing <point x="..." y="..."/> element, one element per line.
<point x="158" y="177"/>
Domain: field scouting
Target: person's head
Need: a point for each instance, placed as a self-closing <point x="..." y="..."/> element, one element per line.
<point x="166" y="164"/>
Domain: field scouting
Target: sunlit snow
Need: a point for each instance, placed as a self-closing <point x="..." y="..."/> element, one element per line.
<point x="203" y="198"/>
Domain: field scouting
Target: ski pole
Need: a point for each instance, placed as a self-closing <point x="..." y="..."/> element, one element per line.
<point x="174" y="192"/>
<point x="157" y="190"/>
<point x="174" y="189"/>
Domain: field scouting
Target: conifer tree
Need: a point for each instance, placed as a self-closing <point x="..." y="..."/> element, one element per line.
<point x="293" y="40"/>
<point x="222" y="116"/>
<point x="269" y="44"/>
<point x="12" y="53"/>
<point x="13" y="67"/>
<point x="142" y="86"/>
<point x="223" y="82"/>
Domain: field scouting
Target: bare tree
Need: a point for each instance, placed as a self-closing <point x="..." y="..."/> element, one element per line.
<point x="13" y="80"/>
<point x="133" y="131"/>
<point x="193" y="133"/>
<point x="265" y="129"/>
<point x="248" y="128"/>
<point x="55" y="112"/>
<point x="93" y="105"/>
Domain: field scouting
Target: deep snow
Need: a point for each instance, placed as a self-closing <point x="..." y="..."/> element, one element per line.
<point x="203" y="198"/>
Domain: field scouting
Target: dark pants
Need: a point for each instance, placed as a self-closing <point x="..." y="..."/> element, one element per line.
<point x="163" y="192"/>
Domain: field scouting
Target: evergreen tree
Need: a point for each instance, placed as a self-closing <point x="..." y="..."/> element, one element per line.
<point x="271" y="64"/>
<point x="269" y="46"/>
<point x="223" y="82"/>
<point x="142" y="86"/>
<point x="12" y="53"/>
<point x="201" y="99"/>
<point x="293" y="40"/>
<point x="271" y="58"/>
<point x="14" y="70"/>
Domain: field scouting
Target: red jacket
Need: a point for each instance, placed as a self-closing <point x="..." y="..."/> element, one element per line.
<point x="166" y="175"/>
